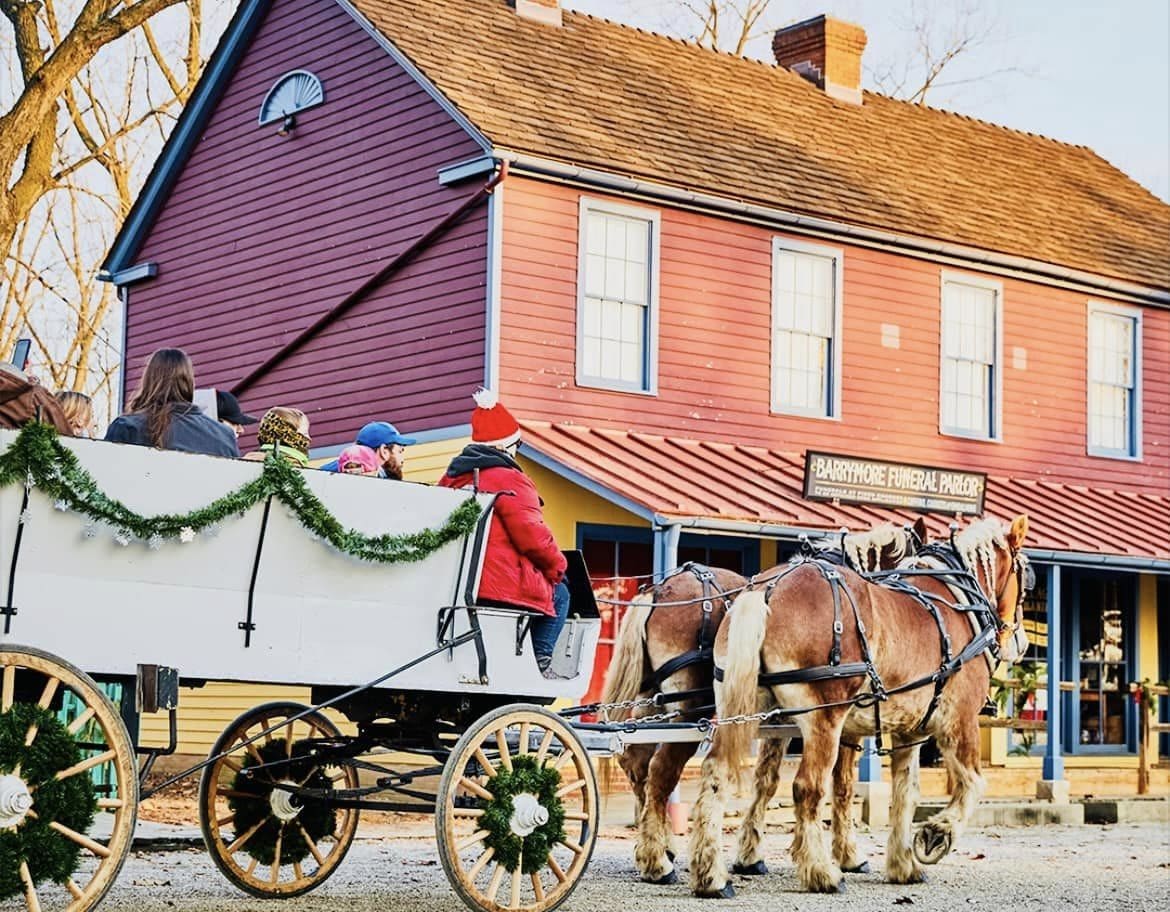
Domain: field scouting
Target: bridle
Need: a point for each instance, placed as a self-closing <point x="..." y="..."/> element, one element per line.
<point x="1025" y="583"/>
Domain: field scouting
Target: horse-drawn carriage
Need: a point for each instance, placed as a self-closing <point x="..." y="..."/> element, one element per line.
<point x="135" y="566"/>
<point x="130" y="565"/>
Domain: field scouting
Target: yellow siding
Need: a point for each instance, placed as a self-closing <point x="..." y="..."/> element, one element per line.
<point x="566" y="505"/>
<point x="1147" y="640"/>
<point x="204" y="712"/>
<point x="427" y="462"/>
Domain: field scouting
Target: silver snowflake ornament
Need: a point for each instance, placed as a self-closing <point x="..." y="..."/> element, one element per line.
<point x="154" y="542"/>
<point x="186" y="535"/>
<point x="61" y="505"/>
<point x="25" y="517"/>
<point x="123" y="537"/>
<point x="90" y="529"/>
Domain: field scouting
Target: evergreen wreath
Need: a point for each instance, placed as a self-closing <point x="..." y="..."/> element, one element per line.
<point x="38" y="458"/>
<point x="71" y="802"/>
<point x="529" y="853"/>
<point x="316" y="817"/>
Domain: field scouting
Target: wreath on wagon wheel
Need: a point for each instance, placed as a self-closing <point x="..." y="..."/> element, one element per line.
<point x="70" y="802"/>
<point x="526" y="780"/>
<point x="255" y="784"/>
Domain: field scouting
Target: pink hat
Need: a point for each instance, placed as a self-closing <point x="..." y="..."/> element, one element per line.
<point x="362" y="455"/>
<point x="491" y="423"/>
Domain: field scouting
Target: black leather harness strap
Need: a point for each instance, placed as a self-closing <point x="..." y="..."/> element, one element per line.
<point x="705" y="649"/>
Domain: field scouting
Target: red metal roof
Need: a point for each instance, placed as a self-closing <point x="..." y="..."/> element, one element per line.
<point x="680" y="478"/>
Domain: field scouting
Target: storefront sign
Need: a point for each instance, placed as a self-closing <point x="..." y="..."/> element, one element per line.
<point x="892" y="484"/>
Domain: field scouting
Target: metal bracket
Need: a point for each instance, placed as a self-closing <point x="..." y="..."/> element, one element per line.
<point x="246" y="625"/>
<point x="523" y="625"/>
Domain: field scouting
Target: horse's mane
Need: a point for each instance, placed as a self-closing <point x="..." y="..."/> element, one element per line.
<point x="977" y="546"/>
<point x="859" y="547"/>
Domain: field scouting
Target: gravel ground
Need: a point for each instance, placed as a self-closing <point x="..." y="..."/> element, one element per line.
<point x="1111" y="868"/>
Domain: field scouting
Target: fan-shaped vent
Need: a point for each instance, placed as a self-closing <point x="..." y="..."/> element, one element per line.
<point x="292" y="92"/>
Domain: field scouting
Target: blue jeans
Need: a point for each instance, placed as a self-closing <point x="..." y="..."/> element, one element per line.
<point x="546" y="629"/>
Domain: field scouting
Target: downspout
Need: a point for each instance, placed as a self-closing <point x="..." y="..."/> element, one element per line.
<point x="354" y="297"/>
<point x="665" y="549"/>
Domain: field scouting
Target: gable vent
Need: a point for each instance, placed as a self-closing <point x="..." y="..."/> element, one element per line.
<point x="291" y="93"/>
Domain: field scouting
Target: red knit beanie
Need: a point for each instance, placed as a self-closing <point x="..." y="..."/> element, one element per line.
<point x="491" y="423"/>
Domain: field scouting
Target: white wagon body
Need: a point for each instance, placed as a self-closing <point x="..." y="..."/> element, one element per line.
<point x="320" y="616"/>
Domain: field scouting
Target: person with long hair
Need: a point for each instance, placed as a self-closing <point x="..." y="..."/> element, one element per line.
<point x="163" y="414"/>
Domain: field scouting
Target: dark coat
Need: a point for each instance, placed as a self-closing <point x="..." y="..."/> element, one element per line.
<point x="191" y="431"/>
<point x="522" y="561"/>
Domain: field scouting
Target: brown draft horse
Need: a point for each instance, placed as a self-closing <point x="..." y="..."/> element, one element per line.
<point x="894" y="641"/>
<point x="647" y="660"/>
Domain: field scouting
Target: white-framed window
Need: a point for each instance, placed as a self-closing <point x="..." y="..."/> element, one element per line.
<point x="970" y="374"/>
<point x="1114" y="387"/>
<point x="806" y="328"/>
<point x="617" y="297"/>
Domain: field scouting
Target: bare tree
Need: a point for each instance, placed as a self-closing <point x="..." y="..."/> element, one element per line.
<point x="937" y="42"/>
<point x="939" y="34"/>
<point x="93" y="87"/>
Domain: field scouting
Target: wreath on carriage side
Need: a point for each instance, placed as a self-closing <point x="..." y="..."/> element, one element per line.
<point x="70" y="802"/>
<point x="529" y="853"/>
<point x="37" y="459"/>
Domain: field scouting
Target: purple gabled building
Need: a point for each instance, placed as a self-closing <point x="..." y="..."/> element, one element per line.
<point x="317" y="258"/>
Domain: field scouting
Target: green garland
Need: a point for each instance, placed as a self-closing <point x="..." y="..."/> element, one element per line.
<point x="38" y="456"/>
<point x="317" y="818"/>
<point x="71" y="802"/>
<point x="530" y="852"/>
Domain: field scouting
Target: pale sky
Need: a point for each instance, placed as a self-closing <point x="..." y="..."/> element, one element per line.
<point x="1090" y="72"/>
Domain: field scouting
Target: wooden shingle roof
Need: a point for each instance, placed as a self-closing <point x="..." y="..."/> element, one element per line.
<point x="621" y="100"/>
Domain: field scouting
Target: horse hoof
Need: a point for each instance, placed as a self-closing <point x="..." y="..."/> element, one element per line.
<point x="931" y="844"/>
<point x="862" y="868"/>
<point x="841" y="886"/>
<point x="670" y="877"/>
<point x="670" y="855"/>
<point x="728" y="892"/>
<point x="753" y="870"/>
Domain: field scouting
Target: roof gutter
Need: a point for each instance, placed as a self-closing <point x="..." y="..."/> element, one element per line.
<point x="1098" y="561"/>
<point x="1040" y="556"/>
<point x="955" y="254"/>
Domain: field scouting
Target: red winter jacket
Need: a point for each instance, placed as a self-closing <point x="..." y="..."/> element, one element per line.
<point x="522" y="562"/>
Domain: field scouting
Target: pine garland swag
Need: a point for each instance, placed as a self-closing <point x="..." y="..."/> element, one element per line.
<point x="316" y="817"/>
<point x="529" y="853"/>
<point x="38" y="456"/>
<point x="71" y="802"/>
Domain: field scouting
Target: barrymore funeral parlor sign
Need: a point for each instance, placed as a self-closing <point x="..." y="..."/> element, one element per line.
<point x="892" y="484"/>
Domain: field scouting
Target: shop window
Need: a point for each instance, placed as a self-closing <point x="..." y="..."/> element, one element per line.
<point x="1102" y="637"/>
<point x="970" y="366"/>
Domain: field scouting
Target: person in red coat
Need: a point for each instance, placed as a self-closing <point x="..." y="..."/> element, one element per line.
<point x="523" y="567"/>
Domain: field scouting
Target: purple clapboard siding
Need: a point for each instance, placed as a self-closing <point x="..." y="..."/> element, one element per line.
<point x="263" y="234"/>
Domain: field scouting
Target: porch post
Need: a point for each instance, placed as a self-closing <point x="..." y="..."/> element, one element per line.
<point x="665" y="549"/>
<point x="1053" y="785"/>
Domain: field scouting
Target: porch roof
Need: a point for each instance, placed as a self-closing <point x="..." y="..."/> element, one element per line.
<point x="721" y="486"/>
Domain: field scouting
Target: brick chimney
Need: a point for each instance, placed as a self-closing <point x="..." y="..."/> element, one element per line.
<point x="826" y="52"/>
<point x="546" y="12"/>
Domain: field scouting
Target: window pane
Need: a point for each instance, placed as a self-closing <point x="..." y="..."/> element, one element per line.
<point x="595" y="233"/>
<point x="637" y="241"/>
<point x="615" y="238"/>
<point x="615" y="279"/>
<point x="805" y="318"/>
<point x="636" y="283"/>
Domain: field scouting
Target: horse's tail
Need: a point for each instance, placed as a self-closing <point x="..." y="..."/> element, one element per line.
<point x="627" y="668"/>
<point x="745" y="635"/>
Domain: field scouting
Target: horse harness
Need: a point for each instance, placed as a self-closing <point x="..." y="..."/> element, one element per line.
<point x="969" y="598"/>
<point x="705" y="651"/>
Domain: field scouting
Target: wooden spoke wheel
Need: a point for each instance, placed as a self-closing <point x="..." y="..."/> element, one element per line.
<point x="267" y="841"/>
<point x="517" y="811"/>
<point x="63" y="837"/>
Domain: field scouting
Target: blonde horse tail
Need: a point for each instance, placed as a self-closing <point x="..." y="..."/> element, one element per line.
<point x="627" y="669"/>
<point x="747" y="627"/>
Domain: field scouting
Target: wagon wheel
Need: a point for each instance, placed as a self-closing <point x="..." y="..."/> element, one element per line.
<point x="53" y="818"/>
<point x="517" y="812"/>
<point x="266" y="841"/>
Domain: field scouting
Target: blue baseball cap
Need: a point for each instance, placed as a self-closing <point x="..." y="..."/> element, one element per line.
<point x="382" y="433"/>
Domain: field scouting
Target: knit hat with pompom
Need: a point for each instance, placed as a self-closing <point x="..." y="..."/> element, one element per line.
<point x="491" y="423"/>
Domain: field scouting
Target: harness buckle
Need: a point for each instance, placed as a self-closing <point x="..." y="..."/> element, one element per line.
<point x="707" y="606"/>
<point x="838" y="627"/>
